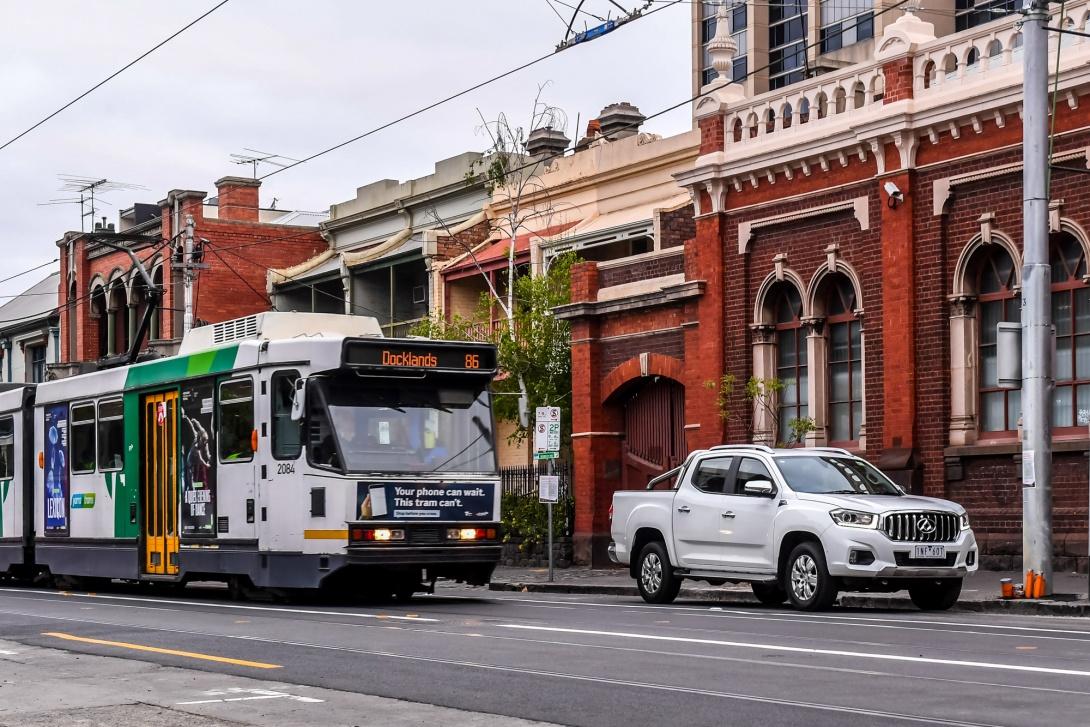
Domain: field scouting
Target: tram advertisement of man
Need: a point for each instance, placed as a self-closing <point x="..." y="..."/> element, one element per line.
<point x="198" y="470"/>
<point x="56" y="469"/>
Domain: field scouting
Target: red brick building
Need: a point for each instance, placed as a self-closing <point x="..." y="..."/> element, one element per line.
<point x="876" y="312"/>
<point x="103" y="298"/>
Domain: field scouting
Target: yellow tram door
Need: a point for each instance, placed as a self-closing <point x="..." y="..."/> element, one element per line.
<point x="159" y="452"/>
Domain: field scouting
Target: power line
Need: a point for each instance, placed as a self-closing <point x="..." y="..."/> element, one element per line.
<point x="440" y="102"/>
<point x="116" y="73"/>
<point x="29" y="270"/>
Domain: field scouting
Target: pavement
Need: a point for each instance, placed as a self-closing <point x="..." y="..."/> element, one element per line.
<point x="470" y="656"/>
<point x="981" y="591"/>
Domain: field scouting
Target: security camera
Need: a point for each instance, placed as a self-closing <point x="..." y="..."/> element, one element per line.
<point x="894" y="193"/>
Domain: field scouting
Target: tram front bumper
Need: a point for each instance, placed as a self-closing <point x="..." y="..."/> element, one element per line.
<point x="423" y="556"/>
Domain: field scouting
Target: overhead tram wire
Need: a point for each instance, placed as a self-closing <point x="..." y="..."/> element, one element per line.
<point x="547" y="158"/>
<point x="440" y="102"/>
<point x="26" y="272"/>
<point x="116" y="73"/>
<point x="155" y="251"/>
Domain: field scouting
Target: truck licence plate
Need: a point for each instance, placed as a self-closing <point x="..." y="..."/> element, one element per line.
<point x="929" y="551"/>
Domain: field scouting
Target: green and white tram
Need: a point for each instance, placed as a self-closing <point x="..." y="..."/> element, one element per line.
<point x="282" y="450"/>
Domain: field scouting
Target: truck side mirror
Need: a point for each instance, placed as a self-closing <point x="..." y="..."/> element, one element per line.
<point x="299" y="400"/>
<point x="759" y="488"/>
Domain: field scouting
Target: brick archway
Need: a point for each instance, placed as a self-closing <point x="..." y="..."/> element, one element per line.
<point x="638" y="367"/>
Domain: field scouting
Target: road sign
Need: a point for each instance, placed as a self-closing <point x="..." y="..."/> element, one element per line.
<point x="548" y="488"/>
<point x="547" y="432"/>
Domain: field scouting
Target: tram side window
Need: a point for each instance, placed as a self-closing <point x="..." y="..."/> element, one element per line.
<point x="83" y="438"/>
<point x="111" y="435"/>
<point x="236" y="420"/>
<point x="287" y="435"/>
<point x="7" y="447"/>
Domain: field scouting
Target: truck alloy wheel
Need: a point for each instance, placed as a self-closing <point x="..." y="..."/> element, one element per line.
<point x="807" y="580"/>
<point x="656" y="581"/>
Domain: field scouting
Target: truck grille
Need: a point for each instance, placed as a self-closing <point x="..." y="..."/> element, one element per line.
<point x="922" y="527"/>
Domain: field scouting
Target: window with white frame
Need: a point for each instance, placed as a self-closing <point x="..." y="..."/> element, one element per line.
<point x="791" y="359"/>
<point x="845" y="361"/>
<point x="1071" y="318"/>
<point x="997" y="301"/>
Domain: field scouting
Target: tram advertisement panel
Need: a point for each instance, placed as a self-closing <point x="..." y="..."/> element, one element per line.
<point x="443" y="501"/>
<point x="198" y="467"/>
<point x="56" y="468"/>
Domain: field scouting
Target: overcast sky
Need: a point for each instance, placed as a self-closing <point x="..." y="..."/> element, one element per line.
<point x="290" y="78"/>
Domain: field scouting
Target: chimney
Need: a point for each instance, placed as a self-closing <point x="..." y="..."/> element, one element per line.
<point x="238" y="198"/>
<point x="620" y="120"/>
<point x="546" y="142"/>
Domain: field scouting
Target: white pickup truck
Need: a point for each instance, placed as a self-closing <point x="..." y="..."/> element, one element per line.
<point x="802" y="524"/>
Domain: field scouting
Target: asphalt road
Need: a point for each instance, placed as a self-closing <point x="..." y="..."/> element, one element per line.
<point x="601" y="661"/>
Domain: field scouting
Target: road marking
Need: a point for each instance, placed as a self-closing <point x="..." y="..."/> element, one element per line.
<point x="756" y="614"/>
<point x="804" y="650"/>
<point x="157" y="650"/>
<point x="685" y="655"/>
<point x="253" y="694"/>
<point x="213" y="604"/>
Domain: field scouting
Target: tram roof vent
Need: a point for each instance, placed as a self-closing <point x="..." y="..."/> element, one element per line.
<point x="234" y="330"/>
<point x="278" y="325"/>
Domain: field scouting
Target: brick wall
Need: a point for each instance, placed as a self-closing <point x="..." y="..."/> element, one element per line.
<point x="644" y="269"/>
<point x="676" y="226"/>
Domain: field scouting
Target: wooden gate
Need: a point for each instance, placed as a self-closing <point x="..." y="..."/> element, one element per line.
<point x="654" y="418"/>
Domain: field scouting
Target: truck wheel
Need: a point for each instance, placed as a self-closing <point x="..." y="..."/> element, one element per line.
<point x="807" y="580"/>
<point x="655" y="577"/>
<point x="770" y="594"/>
<point x="938" y="595"/>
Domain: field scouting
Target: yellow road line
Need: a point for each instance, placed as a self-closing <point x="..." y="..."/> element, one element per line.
<point x="325" y="534"/>
<point x="157" y="650"/>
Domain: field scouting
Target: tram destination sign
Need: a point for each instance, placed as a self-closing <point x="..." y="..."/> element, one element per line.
<point x="400" y="355"/>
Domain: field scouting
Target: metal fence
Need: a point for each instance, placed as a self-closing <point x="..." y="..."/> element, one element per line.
<point x="522" y="482"/>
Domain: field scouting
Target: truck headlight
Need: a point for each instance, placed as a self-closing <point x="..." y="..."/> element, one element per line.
<point x="964" y="521"/>
<point x="854" y="518"/>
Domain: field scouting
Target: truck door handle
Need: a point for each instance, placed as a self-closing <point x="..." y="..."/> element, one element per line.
<point x="683" y="508"/>
<point x="729" y="514"/>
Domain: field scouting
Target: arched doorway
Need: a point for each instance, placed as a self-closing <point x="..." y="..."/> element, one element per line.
<point x="654" y="431"/>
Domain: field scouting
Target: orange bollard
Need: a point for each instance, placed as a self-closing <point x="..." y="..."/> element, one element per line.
<point x="1039" y="586"/>
<point x="1029" y="584"/>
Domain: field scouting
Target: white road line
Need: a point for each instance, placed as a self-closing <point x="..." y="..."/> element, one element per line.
<point x="212" y="604"/>
<point x="756" y="662"/>
<point x="804" y="650"/>
<point x="785" y="615"/>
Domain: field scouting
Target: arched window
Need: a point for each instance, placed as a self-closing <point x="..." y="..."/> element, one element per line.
<point x="1071" y="317"/>
<point x="845" y="361"/>
<point x="997" y="302"/>
<point x="101" y="318"/>
<point x="791" y="361"/>
<point x="156" y="328"/>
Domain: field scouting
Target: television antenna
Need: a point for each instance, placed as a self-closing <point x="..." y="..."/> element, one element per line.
<point x="253" y="157"/>
<point x="86" y="192"/>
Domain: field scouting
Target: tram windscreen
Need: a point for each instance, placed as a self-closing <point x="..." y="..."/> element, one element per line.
<point x="393" y="426"/>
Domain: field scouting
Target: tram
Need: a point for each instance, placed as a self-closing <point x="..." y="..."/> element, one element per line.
<point x="282" y="451"/>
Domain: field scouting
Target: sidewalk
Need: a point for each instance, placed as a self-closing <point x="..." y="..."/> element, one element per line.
<point x="980" y="592"/>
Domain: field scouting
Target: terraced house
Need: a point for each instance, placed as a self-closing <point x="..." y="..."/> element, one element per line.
<point x="857" y="238"/>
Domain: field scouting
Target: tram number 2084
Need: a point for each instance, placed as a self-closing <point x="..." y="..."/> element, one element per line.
<point x="285" y="468"/>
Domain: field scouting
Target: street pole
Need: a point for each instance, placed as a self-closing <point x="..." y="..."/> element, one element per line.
<point x="187" y="268"/>
<point x="1036" y="304"/>
<point x="551" y="468"/>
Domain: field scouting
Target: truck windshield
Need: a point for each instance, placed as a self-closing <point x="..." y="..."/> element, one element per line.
<point x="835" y="476"/>
<point x="374" y="425"/>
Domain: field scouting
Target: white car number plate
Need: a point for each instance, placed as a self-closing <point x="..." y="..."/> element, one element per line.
<point x="929" y="551"/>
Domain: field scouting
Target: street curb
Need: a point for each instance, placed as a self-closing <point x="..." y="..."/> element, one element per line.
<point x="854" y="600"/>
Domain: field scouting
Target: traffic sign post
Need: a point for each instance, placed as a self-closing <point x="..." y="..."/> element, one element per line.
<point x="547" y="447"/>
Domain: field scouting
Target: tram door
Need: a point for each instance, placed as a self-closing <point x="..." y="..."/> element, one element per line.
<point x="159" y="462"/>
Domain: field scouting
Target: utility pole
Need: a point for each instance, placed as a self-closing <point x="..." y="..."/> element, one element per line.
<point x="1036" y="303"/>
<point x="188" y="275"/>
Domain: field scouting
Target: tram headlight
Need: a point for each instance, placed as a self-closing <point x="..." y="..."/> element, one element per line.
<point x="471" y="534"/>
<point x="377" y="535"/>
